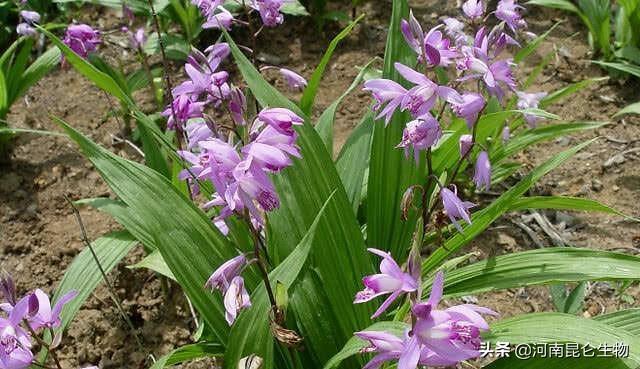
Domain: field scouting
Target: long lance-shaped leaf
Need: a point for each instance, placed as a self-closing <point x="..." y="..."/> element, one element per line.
<point x="251" y="334"/>
<point x="325" y="123"/>
<point x="390" y="173"/>
<point x="565" y="203"/>
<point x="83" y="275"/>
<point x="501" y="205"/>
<point x="303" y="189"/>
<point x="353" y="160"/>
<point x="41" y="66"/>
<point x="188" y="353"/>
<point x="541" y="328"/>
<point x="537" y="267"/>
<point x="626" y="320"/>
<point x="309" y="94"/>
<point x="189" y="243"/>
<point x="630" y="109"/>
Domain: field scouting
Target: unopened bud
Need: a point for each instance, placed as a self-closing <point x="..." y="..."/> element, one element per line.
<point x="7" y="287"/>
<point x="406" y="203"/>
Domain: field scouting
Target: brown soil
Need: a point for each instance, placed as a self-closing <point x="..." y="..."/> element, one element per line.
<point x="40" y="236"/>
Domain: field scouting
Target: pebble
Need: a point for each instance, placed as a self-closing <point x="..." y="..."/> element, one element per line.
<point x="596" y="185"/>
<point x="615" y="188"/>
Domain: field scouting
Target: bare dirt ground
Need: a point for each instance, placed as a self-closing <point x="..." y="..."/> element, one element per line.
<point x="39" y="236"/>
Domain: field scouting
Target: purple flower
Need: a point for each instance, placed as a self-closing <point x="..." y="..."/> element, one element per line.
<point x="530" y="101"/>
<point x="216" y="53"/>
<point x="413" y="33"/>
<point x="506" y="134"/>
<point x="30" y="17"/>
<point x="454" y="207"/>
<point x="420" y="99"/>
<point x="269" y="11"/>
<point x="222" y="277"/>
<point x="281" y="119"/>
<point x="452" y="334"/>
<point x="466" y="143"/>
<point x="295" y="81"/>
<point x="220" y="18"/>
<point x="184" y="109"/>
<point x="272" y="149"/>
<point x="207" y="6"/>
<point x="509" y="12"/>
<point x="482" y="175"/>
<point x="46" y="316"/>
<point x="197" y="132"/>
<point x="388" y="92"/>
<point x="438" y="49"/>
<point x="473" y="9"/>
<point x="470" y="108"/>
<point x="137" y="39"/>
<point x="237" y="106"/>
<point x="82" y="39"/>
<point x="24" y="29"/>
<point x="455" y="29"/>
<point x="15" y="343"/>
<point x="235" y="299"/>
<point x="391" y="280"/>
<point x="493" y="75"/>
<point x="420" y="134"/>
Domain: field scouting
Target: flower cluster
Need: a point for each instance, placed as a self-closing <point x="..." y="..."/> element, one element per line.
<point x="238" y="171"/>
<point x="29" y="19"/>
<point x="229" y="282"/>
<point x="217" y="16"/>
<point x="470" y="58"/>
<point x="24" y="317"/>
<point x="436" y="338"/>
<point x="82" y="39"/>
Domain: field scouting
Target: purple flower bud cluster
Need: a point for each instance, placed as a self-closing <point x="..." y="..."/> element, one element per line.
<point x="29" y="19"/>
<point x="229" y="282"/>
<point x="217" y="16"/>
<point x="33" y="309"/>
<point x="477" y="72"/>
<point x="82" y="39"/>
<point x="239" y="171"/>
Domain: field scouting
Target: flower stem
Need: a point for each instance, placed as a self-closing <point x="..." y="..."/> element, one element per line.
<point x="43" y="343"/>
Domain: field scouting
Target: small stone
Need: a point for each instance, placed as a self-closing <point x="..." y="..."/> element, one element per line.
<point x="615" y="188"/>
<point x="506" y="240"/>
<point x="614" y="160"/>
<point x="596" y="185"/>
<point x="566" y="218"/>
<point x="469" y="299"/>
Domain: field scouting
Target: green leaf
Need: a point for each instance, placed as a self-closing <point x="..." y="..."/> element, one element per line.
<point x="538" y="267"/>
<point x="558" y="4"/>
<point x="532" y="45"/>
<point x="152" y="154"/>
<point x="488" y="215"/>
<point x="536" y="135"/>
<point x="353" y="161"/>
<point x="630" y="109"/>
<point x="251" y="334"/>
<point x="187" y="240"/>
<point x="187" y="353"/>
<point x="390" y="173"/>
<point x="623" y="67"/>
<point x="100" y="79"/>
<point x="569" y="303"/>
<point x="542" y="328"/>
<point x="564" y="203"/>
<point x="4" y="106"/>
<point x="325" y="123"/>
<point x="293" y="7"/>
<point x="627" y="320"/>
<point x="83" y="275"/>
<point x="309" y="94"/>
<point x="156" y="263"/>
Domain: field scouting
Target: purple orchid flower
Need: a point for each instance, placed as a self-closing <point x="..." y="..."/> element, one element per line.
<point x="219" y="18"/>
<point x="530" y="101"/>
<point x="455" y="29"/>
<point x="236" y="298"/>
<point x="482" y="175"/>
<point x="413" y="33"/>
<point x="466" y="143"/>
<point x="237" y="106"/>
<point x="15" y="343"/>
<point x="391" y="280"/>
<point x="493" y="75"/>
<point x="420" y="134"/>
<point x="388" y="92"/>
<point x="452" y="334"/>
<point x="454" y="207"/>
<point x="508" y="11"/>
<point x="506" y="134"/>
<point x="272" y="149"/>
<point x="281" y="119"/>
<point x="184" y="109"/>
<point x="473" y="9"/>
<point x="138" y="38"/>
<point x="295" y="81"/>
<point x="470" y="108"/>
<point x="420" y="99"/>
<point x="222" y="277"/>
<point x="218" y="159"/>
<point x="438" y="49"/>
<point x="269" y="11"/>
<point x="46" y="316"/>
<point x="30" y="17"/>
<point x="207" y="6"/>
<point x="216" y="53"/>
<point x="82" y="39"/>
<point x="197" y="131"/>
<point x="24" y="29"/>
